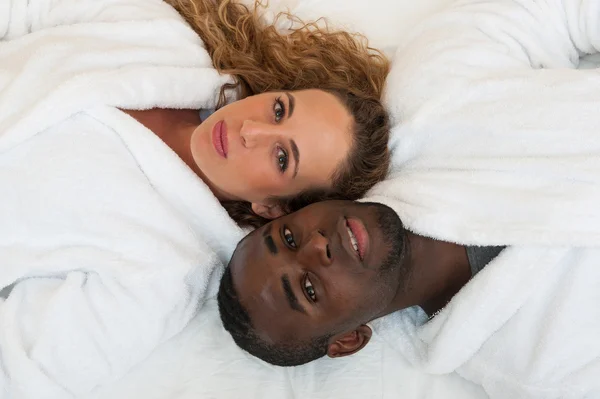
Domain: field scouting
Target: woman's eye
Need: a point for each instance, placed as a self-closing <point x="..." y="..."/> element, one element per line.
<point x="279" y="110"/>
<point x="282" y="159"/>
<point x="310" y="290"/>
<point x="289" y="237"/>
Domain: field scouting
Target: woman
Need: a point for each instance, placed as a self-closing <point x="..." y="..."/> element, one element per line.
<point x="309" y="98"/>
<point x="111" y="240"/>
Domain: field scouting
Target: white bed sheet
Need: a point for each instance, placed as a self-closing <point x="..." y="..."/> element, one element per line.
<point x="203" y="361"/>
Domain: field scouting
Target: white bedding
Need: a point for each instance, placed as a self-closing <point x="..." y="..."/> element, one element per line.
<point x="202" y="362"/>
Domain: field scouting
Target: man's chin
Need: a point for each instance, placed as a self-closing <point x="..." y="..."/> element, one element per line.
<point x="394" y="236"/>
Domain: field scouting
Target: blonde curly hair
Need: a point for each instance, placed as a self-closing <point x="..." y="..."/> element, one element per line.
<point x="261" y="59"/>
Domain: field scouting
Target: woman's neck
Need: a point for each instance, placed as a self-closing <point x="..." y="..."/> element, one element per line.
<point x="174" y="127"/>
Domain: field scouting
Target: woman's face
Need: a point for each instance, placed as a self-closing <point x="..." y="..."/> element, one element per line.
<point x="273" y="144"/>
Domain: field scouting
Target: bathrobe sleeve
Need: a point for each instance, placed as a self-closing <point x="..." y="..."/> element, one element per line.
<point x="61" y="337"/>
<point x="113" y="264"/>
<point x="470" y="41"/>
<point x="496" y="131"/>
<point x="20" y="17"/>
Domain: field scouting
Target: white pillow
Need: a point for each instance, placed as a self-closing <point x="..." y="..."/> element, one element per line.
<point x="383" y="22"/>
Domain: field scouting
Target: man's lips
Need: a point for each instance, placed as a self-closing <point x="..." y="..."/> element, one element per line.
<point x="358" y="236"/>
<point x="219" y="138"/>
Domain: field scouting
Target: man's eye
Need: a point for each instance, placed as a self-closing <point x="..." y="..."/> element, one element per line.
<point x="310" y="290"/>
<point x="289" y="237"/>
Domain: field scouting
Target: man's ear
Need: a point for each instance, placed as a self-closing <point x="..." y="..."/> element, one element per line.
<point x="268" y="211"/>
<point x="351" y="342"/>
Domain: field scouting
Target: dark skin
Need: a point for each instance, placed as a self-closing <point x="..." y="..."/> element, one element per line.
<point x="339" y="287"/>
<point x="440" y="270"/>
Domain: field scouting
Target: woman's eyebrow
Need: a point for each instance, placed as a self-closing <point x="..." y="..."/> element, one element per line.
<point x="292" y="104"/>
<point x="295" y="151"/>
<point x="296" y="155"/>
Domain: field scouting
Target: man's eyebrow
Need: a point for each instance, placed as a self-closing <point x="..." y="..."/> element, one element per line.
<point x="296" y="155"/>
<point x="269" y="240"/>
<point x="289" y="294"/>
<point x="267" y="230"/>
<point x="292" y="104"/>
<point x="271" y="245"/>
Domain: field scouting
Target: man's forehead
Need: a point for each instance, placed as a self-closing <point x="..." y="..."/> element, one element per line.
<point x="244" y="251"/>
<point x="254" y="236"/>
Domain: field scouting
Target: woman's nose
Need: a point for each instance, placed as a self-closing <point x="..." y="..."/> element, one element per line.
<point x="255" y="133"/>
<point x="317" y="251"/>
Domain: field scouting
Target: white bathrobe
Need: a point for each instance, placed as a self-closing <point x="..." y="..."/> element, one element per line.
<point x="109" y="243"/>
<point x="498" y="143"/>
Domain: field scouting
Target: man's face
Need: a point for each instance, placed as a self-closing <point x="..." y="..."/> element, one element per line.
<point x="325" y="269"/>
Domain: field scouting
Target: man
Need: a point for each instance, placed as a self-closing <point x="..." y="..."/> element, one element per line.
<point x="307" y="285"/>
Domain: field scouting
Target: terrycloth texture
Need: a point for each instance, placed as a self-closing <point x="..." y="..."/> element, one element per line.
<point x="488" y="148"/>
<point x="59" y="57"/>
<point x="526" y="326"/>
<point x="491" y="149"/>
<point x="112" y="241"/>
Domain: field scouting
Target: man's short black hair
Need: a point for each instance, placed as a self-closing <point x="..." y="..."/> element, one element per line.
<point x="238" y="323"/>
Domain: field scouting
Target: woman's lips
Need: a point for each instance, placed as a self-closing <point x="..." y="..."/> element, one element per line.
<point x="219" y="138"/>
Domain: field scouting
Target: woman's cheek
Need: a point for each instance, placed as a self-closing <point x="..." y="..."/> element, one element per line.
<point x="254" y="176"/>
<point x="269" y="183"/>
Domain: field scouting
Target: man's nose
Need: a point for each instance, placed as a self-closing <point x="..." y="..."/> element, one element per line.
<point x="256" y="133"/>
<point x="317" y="250"/>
